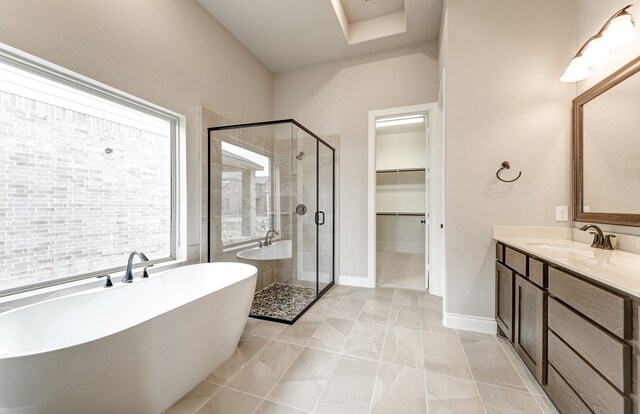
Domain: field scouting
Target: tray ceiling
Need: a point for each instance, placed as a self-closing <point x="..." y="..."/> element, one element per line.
<point x="290" y="34"/>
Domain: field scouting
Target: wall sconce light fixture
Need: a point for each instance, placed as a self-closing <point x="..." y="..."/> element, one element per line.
<point x="616" y="32"/>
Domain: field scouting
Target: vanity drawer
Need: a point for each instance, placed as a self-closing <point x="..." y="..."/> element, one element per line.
<point x="538" y="272"/>
<point x="562" y="395"/>
<point x="515" y="260"/>
<point x="500" y="252"/>
<point x="611" y="311"/>
<point x="608" y="355"/>
<point x="594" y="390"/>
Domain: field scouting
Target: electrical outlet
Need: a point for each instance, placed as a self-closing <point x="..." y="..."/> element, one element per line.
<point x="562" y="213"/>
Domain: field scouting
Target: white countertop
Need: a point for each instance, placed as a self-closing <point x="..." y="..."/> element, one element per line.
<point x="617" y="268"/>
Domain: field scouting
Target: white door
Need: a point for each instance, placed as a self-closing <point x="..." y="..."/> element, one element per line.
<point x="427" y="218"/>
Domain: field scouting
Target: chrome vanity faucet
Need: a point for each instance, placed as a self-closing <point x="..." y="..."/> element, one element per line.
<point x="267" y="239"/>
<point x="600" y="240"/>
<point x="128" y="275"/>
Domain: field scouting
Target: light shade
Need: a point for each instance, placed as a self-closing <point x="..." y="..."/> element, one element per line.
<point x="619" y="32"/>
<point x="576" y="71"/>
<point x="596" y="52"/>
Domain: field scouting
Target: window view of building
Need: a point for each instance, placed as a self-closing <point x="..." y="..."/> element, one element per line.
<point x="246" y="195"/>
<point x="84" y="180"/>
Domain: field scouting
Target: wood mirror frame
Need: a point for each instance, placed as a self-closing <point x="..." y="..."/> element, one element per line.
<point x="625" y="219"/>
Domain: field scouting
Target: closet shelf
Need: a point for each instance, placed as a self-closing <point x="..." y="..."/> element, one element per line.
<point x="399" y="213"/>
<point x="401" y="170"/>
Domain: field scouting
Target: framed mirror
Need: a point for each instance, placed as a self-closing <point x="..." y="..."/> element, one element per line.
<point x="606" y="150"/>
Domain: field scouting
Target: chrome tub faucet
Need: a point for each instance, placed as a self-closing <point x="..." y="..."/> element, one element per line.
<point x="128" y="275"/>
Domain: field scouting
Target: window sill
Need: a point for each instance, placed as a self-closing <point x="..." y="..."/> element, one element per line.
<point x="18" y="300"/>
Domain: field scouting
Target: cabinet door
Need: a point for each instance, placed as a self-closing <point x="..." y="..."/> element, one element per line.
<point x="531" y="326"/>
<point x="504" y="299"/>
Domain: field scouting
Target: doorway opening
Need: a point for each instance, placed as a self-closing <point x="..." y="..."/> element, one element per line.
<point x="403" y="144"/>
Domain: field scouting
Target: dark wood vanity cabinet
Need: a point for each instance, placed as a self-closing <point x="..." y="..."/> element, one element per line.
<point x="521" y="308"/>
<point x="590" y="343"/>
<point x="530" y="332"/>
<point x="504" y="299"/>
<point x="575" y="335"/>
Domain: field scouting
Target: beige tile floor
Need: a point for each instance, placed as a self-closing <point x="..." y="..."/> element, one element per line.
<point x="400" y="270"/>
<point x="368" y="351"/>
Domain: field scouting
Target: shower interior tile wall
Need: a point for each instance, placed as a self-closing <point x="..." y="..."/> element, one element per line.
<point x="287" y="183"/>
<point x="306" y="172"/>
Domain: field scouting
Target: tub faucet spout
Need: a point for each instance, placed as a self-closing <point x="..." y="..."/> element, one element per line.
<point x="128" y="275"/>
<point x="270" y="235"/>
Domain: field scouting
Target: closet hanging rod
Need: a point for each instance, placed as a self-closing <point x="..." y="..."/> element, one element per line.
<point x="401" y="170"/>
<point x="401" y="214"/>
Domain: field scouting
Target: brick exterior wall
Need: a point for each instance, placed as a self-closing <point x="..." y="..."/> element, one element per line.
<point x="66" y="206"/>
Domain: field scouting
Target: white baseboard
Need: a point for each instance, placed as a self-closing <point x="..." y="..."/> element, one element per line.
<point x="354" y="281"/>
<point x="435" y="289"/>
<point x="470" y="323"/>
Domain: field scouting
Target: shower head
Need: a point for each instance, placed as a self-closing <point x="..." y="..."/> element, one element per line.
<point x="300" y="155"/>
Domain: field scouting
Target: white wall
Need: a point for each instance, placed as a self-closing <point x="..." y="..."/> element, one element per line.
<point x="171" y="53"/>
<point x="444" y="41"/>
<point x="401" y="150"/>
<point x="335" y="98"/>
<point x="504" y="101"/>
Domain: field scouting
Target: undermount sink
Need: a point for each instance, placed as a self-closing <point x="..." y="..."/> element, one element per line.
<point x="563" y="246"/>
<point x="278" y="250"/>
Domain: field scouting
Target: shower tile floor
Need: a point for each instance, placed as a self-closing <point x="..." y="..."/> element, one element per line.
<point x="366" y="351"/>
<point x="282" y="301"/>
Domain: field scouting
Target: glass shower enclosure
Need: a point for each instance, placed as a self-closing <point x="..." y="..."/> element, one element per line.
<point x="271" y="204"/>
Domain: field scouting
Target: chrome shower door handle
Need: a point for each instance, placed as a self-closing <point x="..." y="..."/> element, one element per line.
<point x="318" y="222"/>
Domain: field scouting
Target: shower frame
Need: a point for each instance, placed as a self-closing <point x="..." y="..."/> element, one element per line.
<point x="319" y="293"/>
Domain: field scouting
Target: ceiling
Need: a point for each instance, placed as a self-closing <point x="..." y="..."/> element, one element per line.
<point x="358" y="10"/>
<point x="290" y="34"/>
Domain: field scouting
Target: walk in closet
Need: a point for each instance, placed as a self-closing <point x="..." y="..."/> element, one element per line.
<point x="401" y="201"/>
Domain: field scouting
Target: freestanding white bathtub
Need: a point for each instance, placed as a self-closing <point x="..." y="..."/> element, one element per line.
<point x="133" y="348"/>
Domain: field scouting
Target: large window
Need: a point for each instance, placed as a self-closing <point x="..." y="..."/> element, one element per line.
<point x="246" y="195"/>
<point x="86" y="177"/>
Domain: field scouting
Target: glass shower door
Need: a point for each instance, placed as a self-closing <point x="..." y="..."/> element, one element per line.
<point x="324" y="216"/>
<point x="271" y="205"/>
<point x="304" y="202"/>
